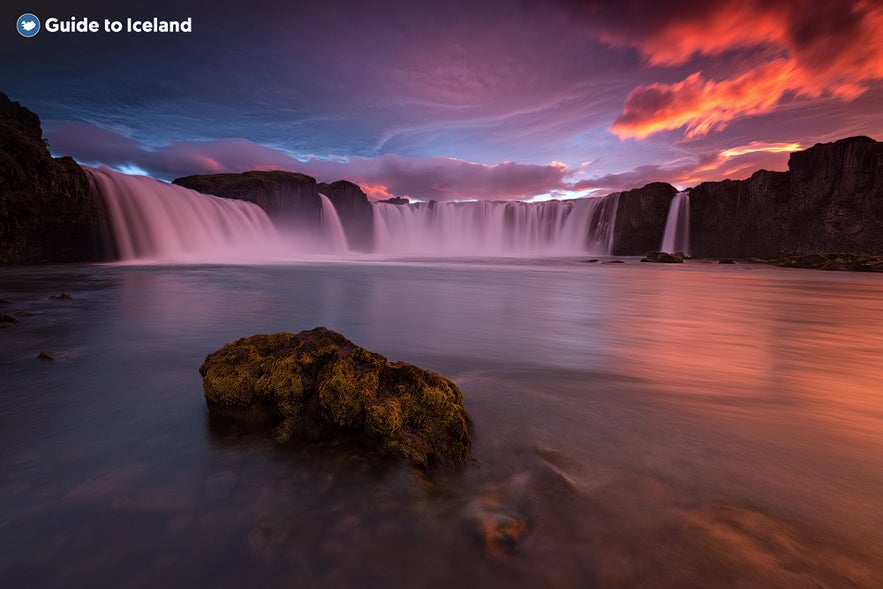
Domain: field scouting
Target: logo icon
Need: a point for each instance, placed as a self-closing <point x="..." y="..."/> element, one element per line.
<point x="28" y="25"/>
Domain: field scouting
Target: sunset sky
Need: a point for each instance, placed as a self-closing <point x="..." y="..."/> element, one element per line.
<point x="456" y="99"/>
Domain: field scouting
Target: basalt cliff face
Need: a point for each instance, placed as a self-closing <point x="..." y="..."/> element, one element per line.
<point x="836" y="198"/>
<point x="289" y="198"/>
<point x="355" y="211"/>
<point x="829" y="200"/>
<point x="47" y="213"/>
<point x="292" y="200"/>
<point x="640" y="219"/>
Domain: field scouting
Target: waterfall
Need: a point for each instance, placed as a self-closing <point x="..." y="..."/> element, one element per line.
<point x="153" y="221"/>
<point x="677" y="227"/>
<point x="331" y="234"/>
<point x="156" y="222"/>
<point x="492" y="228"/>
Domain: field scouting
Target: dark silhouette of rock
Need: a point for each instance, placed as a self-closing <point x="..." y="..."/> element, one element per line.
<point x="62" y="297"/>
<point x="7" y="320"/>
<point x="726" y="261"/>
<point x="640" y="219"/>
<point x="397" y="200"/>
<point x="836" y="200"/>
<point x="739" y="218"/>
<point x="355" y="211"/>
<point x="50" y="356"/>
<point x="317" y="384"/>
<point x="47" y="213"/>
<point x="831" y="199"/>
<point x="664" y="258"/>
<point x="290" y="199"/>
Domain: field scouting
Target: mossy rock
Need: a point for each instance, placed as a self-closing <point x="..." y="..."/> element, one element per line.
<point x="664" y="258"/>
<point x="318" y="384"/>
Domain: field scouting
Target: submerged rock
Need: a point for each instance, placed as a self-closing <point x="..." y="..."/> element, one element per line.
<point x="317" y="384"/>
<point x="664" y="258"/>
<point x="7" y="320"/>
<point x="51" y="356"/>
<point x="65" y="296"/>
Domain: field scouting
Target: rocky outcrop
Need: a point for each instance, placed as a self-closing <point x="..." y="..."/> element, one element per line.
<point x="318" y="384"/>
<point x="830" y="200"/>
<point x="47" y="213"/>
<point x="355" y="212"/>
<point x="290" y="199"/>
<point x="739" y="218"/>
<point x="664" y="258"/>
<point x="640" y="219"/>
<point x="836" y="198"/>
<point x="397" y="200"/>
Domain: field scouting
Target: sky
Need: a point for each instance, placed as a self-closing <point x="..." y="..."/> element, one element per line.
<point x="458" y="99"/>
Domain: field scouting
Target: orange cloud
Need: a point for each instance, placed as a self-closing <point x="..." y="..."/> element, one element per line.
<point x="803" y="48"/>
<point x="376" y="191"/>
<point x="757" y="146"/>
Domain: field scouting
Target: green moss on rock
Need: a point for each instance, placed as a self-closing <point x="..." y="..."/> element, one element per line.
<point x="317" y="384"/>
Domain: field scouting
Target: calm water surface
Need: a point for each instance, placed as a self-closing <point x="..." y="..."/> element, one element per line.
<point x="688" y="426"/>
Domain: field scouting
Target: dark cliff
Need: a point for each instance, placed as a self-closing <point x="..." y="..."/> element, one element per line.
<point x="739" y="218"/>
<point x="640" y="219"/>
<point x="829" y="200"/>
<point x="290" y="199"/>
<point x="47" y="213"/>
<point x="836" y="199"/>
<point x="355" y="211"/>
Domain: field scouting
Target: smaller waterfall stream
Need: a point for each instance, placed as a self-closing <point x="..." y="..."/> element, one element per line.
<point x="677" y="227"/>
<point x="331" y="233"/>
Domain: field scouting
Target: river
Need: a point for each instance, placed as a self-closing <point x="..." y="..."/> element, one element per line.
<point x="652" y="425"/>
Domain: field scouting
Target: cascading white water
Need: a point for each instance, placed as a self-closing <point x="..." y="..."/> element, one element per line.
<point x="677" y="227"/>
<point x="331" y="233"/>
<point x="154" y="221"/>
<point x="494" y="228"/>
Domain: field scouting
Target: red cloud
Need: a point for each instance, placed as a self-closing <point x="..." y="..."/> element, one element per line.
<point x="806" y="48"/>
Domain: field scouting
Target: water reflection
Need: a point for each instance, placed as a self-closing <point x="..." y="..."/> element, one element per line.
<point x="654" y="427"/>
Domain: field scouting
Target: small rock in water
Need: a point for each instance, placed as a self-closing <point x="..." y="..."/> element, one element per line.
<point x="7" y="320"/>
<point x="664" y="258"/>
<point x="46" y="355"/>
<point x="62" y="297"/>
<point x="615" y="262"/>
<point x="500" y="529"/>
<point x="592" y="261"/>
<point x="5" y="301"/>
<point x="726" y="261"/>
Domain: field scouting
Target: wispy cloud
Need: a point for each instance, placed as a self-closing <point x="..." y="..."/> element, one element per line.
<point x="772" y="49"/>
